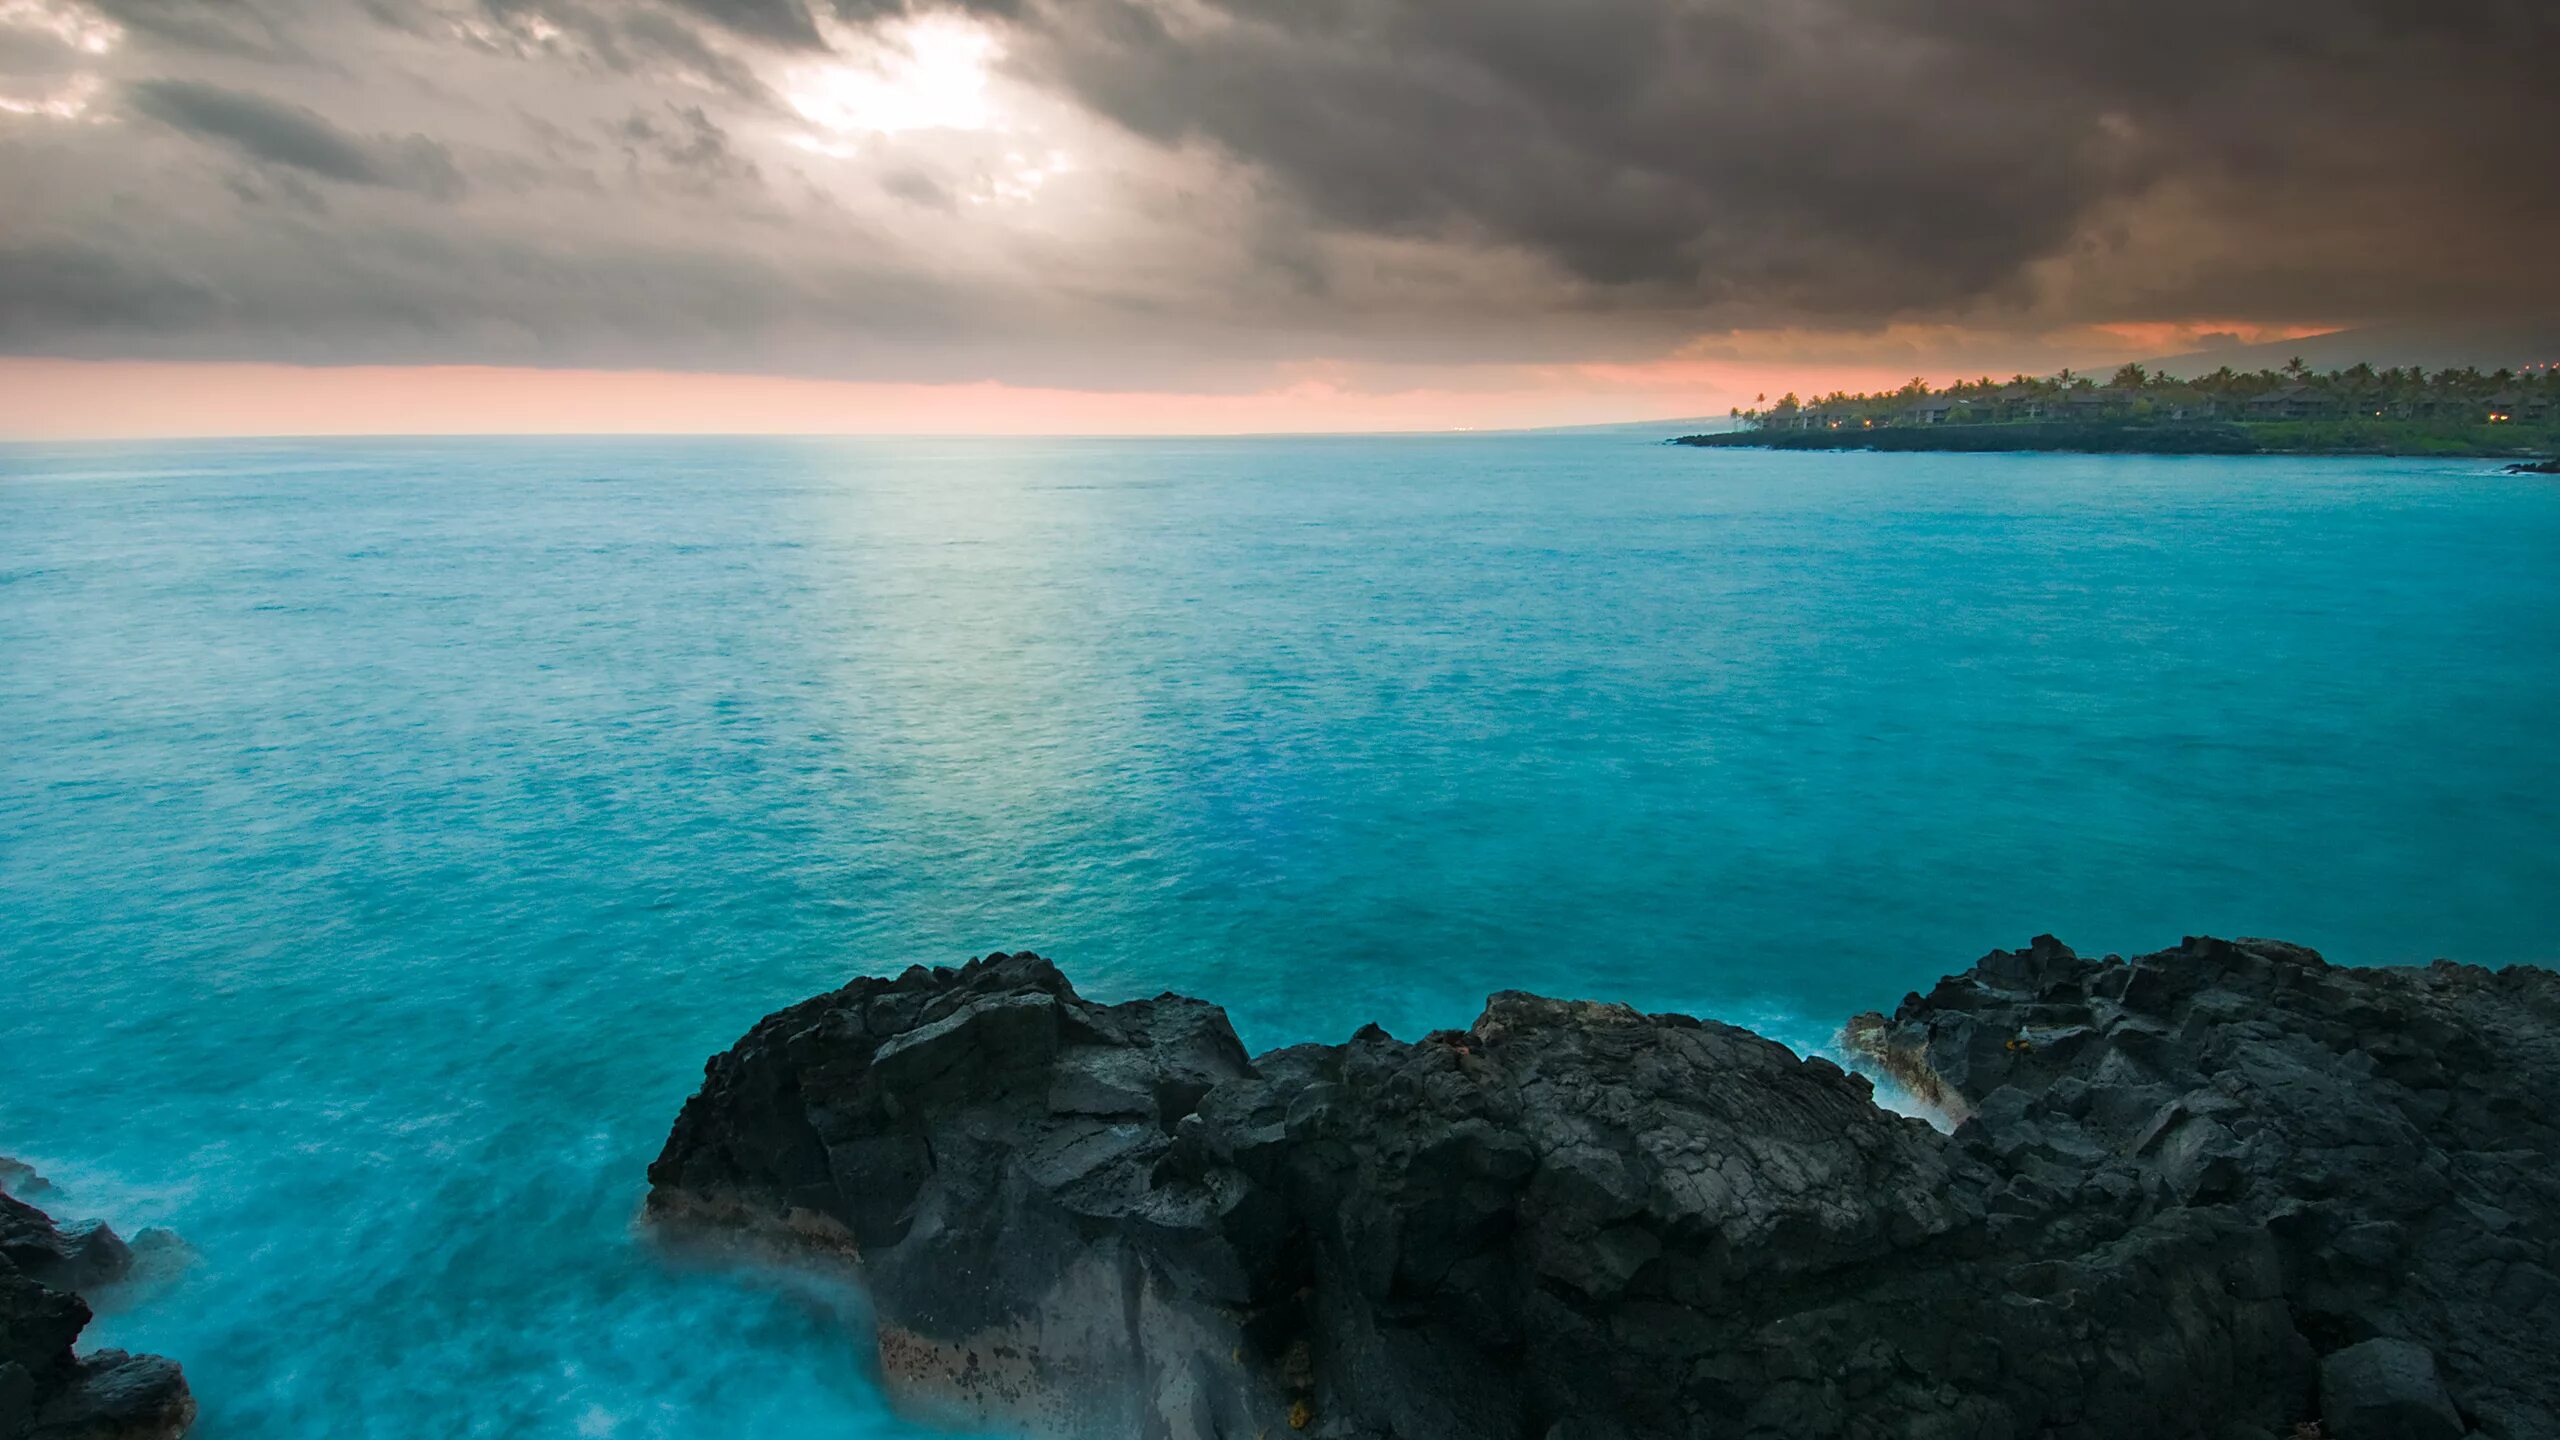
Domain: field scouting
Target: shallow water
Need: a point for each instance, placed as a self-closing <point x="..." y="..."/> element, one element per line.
<point x="388" y="830"/>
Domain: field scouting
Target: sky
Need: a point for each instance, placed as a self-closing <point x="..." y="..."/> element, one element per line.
<point x="300" y="216"/>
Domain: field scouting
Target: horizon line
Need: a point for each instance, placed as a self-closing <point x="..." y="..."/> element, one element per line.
<point x="64" y="400"/>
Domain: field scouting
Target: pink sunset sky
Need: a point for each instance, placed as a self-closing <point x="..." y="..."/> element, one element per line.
<point x="70" y="399"/>
<point x="66" y="399"/>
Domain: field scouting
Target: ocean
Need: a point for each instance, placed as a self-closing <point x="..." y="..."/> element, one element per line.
<point x="389" y="829"/>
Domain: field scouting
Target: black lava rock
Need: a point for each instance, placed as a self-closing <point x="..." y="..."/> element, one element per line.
<point x="2177" y="1185"/>
<point x="47" y="1392"/>
<point x="2389" y="1133"/>
<point x="2385" y="1390"/>
<point x="66" y="1257"/>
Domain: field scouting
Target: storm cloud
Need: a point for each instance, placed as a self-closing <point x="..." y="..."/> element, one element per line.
<point x="1206" y="191"/>
<point x="781" y="22"/>
<point x="1855" y="160"/>
<point x="275" y="133"/>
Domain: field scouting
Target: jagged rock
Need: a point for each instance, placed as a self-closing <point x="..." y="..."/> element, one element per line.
<point x="17" y="1399"/>
<point x="2385" y="1390"/>
<point x="20" y="1179"/>
<point x="111" y="1395"/>
<point x="47" y="1392"/>
<point x="2177" y="1183"/>
<point x="2390" y="1129"/>
<point x="67" y="1257"/>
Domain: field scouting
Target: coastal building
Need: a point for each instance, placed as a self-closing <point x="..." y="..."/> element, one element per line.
<point x="1938" y="410"/>
<point x="2183" y="404"/>
<point x="2294" y="402"/>
<point x="2014" y="401"/>
<point x="2527" y="407"/>
<point x="2099" y="403"/>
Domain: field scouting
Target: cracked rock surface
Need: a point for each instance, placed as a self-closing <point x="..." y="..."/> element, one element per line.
<point x="2220" y="1191"/>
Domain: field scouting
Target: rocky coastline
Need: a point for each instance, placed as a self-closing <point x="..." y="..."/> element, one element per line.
<point x="2226" y="1190"/>
<point x="48" y="1391"/>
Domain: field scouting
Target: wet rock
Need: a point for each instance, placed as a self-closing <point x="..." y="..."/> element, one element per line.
<point x="2179" y="1182"/>
<point x="20" y="1179"/>
<point x="111" y="1395"/>
<point x="47" y="1390"/>
<point x="78" y="1256"/>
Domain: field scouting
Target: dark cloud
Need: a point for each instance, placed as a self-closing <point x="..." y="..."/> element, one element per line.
<point x="793" y="24"/>
<point x="685" y="143"/>
<point x="1855" y="160"/>
<point x="634" y="41"/>
<point x="275" y="133"/>
<point x="918" y="188"/>
<point x="232" y="27"/>
<point x="653" y="36"/>
<point x="775" y="22"/>
<point x="77" y="289"/>
<point x="351" y="291"/>
<point x="1196" y="191"/>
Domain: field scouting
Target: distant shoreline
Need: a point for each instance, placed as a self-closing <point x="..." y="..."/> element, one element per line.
<point x="2105" y="438"/>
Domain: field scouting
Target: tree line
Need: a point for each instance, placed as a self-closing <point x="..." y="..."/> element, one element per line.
<point x="2293" y="392"/>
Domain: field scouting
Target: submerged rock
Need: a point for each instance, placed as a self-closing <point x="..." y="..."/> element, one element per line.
<point x="47" y="1392"/>
<point x="2187" y="1197"/>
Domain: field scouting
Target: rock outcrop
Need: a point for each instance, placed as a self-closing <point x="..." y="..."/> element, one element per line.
<point x="2389" y="1135"/>
<point x="47" y="1390"/>
<point x="2223" y="1191"/>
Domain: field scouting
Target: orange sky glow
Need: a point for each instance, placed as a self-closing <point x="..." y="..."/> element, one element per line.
<point x="43" y="399"/>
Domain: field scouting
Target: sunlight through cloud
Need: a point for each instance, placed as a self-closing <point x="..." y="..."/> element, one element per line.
<point x="928" y="75"/>
<point x="77" y="26"/>
<point x="1021" y="179"/>
<point x="68" y="103"/>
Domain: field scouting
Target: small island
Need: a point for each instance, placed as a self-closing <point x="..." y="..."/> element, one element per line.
<point x="2501" y="414"/>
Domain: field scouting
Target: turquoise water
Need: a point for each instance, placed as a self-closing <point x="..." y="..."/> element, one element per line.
<point x="388" y="830"/>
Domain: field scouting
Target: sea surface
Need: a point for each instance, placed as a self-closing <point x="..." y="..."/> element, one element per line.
<point x="388" y="830"/>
